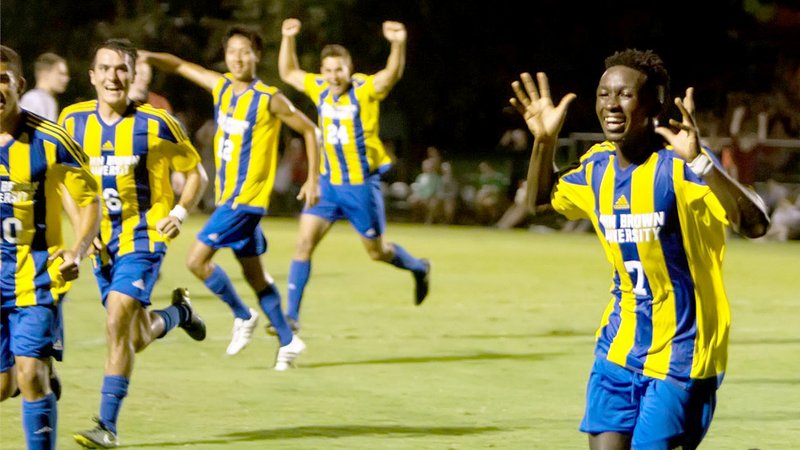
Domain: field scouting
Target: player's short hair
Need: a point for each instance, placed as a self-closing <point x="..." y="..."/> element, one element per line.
<point x="118" y="45"/>
<point x="336" y="51"/>
<point x="46" y="61"/>
<point x="241" y="30"/>
<point x="11" y="58"/>
<point x="648" y="63"/>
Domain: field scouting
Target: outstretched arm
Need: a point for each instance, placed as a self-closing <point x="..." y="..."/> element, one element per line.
<point x="296" y="120"/>
<point x="545" y="121"/>
<point x="395" y="33"/>
<point x="288" y="64"/>
<point x="198" y="75"/>
<point x="744" y="208"/>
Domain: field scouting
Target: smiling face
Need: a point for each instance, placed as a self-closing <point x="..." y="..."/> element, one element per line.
<point x="10" y="90"/>
<point x="241" y="58"/>
<point x="337" y="73"/>
<point x="624" y="107"/>
<point x="111" y="77"/>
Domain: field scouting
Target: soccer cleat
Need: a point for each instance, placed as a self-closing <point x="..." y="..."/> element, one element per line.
<point x="288" y="353"/>
<point x="242" y="333"/>
<point x="97" y="437"/>
<point x="194" y="327"/>
<point x="293" y="324"/>
<point x="422" y="283"/>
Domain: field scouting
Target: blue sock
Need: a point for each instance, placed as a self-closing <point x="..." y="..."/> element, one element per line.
<point x="221" y="285"/>
<point x="299" y="273"/>
<point x="173" y="316"/>
<point x="115" y="388"/>
<point x="39" y="420"/>
<point x="270" y="301"/>
<point x="404" y="260"/>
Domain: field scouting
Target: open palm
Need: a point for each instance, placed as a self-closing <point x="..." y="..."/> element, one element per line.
<point x="686" y="141"/>
<point x="536" y="106"/>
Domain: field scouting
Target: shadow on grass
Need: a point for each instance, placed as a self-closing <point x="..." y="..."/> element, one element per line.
<point x="332" y="431"/>
<point x="436" y="359"/>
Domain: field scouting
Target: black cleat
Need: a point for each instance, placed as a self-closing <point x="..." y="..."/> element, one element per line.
<point x="422" y="283"/>
<point x="194" y="327"/>
<point x="293" y="324"/>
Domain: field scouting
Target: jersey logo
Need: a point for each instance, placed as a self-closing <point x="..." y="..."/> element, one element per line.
<point x="107" y="145"/>
<point x="138" y="284"/>
<point x="3" y="171"/>
<point x="622" y="203"/>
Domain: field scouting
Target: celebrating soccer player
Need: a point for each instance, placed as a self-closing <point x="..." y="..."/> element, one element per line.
<point x="37" y="159"/>
<point x="132" y="148"/>
<point x="660" y="204"/>
<point x="348" y="105"/>
<point x="249" y="114"/>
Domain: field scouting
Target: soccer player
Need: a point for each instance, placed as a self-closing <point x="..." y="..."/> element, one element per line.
<point x="37" y="158"/>
<point x="248" y="114"/>
<point x="348" y="106"/>
<point x="132" y="147"/>
<point x="659" y="204"/>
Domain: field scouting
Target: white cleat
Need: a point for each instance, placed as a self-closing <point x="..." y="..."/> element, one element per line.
<point x="242" y="333"/>
<point x="288" y="353"/>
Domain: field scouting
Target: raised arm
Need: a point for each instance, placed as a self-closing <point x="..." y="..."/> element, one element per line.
<point x="395" y="33"/>
<point x="545" y="121"/>
<point x="288" y="64"/>
<point x="297" y="121"/>
<point x="744" y="208"/>
<point x="172" y="64"/>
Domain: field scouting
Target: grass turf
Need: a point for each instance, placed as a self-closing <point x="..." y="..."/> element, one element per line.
<point x="497" y="357"/>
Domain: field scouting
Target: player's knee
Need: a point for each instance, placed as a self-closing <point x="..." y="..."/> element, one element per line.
<point x="7" y="386"/>
<point x="197" y="267"/>
<point x="376" y="254"/>
<point x="303" y="248"/>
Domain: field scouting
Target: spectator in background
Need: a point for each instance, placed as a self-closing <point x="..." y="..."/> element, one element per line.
<point x="289" y="177"/>
<point x="52" y="77"/>
<point x="140" y="88"/>
<point x="517" y="213"/>
<point x="447" y="195"/>
<point x="490" y="197"/>
<point x="423" y="191"/>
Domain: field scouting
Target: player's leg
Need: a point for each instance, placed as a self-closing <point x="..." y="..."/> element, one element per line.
<point x="31" y="342"/>
<point x="364" y="208"/>
<point x="312" y="229"/>
<point x="8" y="379"/>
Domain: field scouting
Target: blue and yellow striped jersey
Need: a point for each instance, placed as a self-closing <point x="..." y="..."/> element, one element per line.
<point x="33" y="165"/>
<point x="245" y="145"/>
<point x="131" y="160"/>
<point x="663" y="231"/>
<point x="352" y="149"/>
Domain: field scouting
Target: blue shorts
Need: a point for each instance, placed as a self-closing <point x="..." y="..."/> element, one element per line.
<point x="133" y="274"/>
<point x="361" y="204"/>
<point x="658" y="414"/>
<point x="234" y="228"/>
<point x="33" y="331"/>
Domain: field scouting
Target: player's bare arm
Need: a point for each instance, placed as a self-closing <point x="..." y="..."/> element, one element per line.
<point x="169" y="63"/>
<point x="544" y="120"/>
<point x="395" y="33"/>
<point x="297" y="121"/>
<point x="288" y="63"/>
<point x="196" y="182"/>
<point x="86" y="230"/>
<point x="745" y="210"/>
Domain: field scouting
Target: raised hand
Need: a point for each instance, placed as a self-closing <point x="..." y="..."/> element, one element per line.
<point x="536" y="106"/>
<point x="394" y="31"/>
<point x="686" y="142"/>
<point x="290" y="27"/>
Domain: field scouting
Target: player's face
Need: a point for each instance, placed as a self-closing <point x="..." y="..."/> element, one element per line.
<point x="623" y="112"/>
<point x="336" y="73"/>
<point x="240" y="58"/>
<point x="10" y="89"/>
<point x="59" y="77"/>
<point x="111" y="76"/>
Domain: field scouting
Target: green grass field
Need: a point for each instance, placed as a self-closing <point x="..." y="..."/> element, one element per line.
<point x="497" y="357"/>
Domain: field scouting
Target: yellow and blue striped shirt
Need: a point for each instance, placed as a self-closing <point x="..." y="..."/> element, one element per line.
<point x="245" y="145"/>
<point x="131" y="161"/>
<point x="663" y="231"/>
<point x="40" y="157"/>
<point x="352" y="149"/>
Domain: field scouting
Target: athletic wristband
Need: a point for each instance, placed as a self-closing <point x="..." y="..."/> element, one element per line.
<point x="179" y="212"/>
<point x="701" y="165"/>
